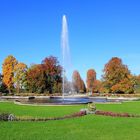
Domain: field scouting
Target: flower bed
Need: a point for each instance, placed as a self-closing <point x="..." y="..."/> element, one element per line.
<point x="7" y="117"/>
<point x="113" y="114"/>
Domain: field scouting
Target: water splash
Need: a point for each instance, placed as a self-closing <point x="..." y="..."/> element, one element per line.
<point x="65" y="53"/>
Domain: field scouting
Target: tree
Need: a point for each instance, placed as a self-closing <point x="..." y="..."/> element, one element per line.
<point x="136" y="79"/>
<point x="3" y="87"/>
<point x="36" y="79"/>
<point x="20" y="71"/>
<point x="53" y="72"/>
<point x="0" y="79"/>
<point x="97" y="86"/>
<point x="82" y="87"/>
<point x="45" y="77"/>
<point x="7" y="70"/>
<point x="78" y="83"/>
<point x="117" y="78"/>
<point x="91" y="77"/>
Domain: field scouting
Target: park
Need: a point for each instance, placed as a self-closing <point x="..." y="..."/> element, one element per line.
<point x="69" y="70"/>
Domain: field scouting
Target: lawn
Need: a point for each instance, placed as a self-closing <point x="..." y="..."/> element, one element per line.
<point x="89" y="127"/>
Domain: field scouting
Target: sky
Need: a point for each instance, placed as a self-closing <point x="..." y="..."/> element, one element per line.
<point x="30" y="30"/>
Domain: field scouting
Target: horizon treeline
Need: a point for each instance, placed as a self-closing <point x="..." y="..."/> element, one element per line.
<point x="46" y="77"/>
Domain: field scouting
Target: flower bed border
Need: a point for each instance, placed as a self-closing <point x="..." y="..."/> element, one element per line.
<point x="113" y="114"/>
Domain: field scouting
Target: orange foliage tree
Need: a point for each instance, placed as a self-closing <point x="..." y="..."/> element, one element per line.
<point x="117" y="78"/>
<point x="53" y="71"/>
<point x="91" y="78"/>
<point x="97" y="86"/>
<point x="78" y="83"/>
<point x="36" y="79"/>
<point x="8" y="71"/>
<point x="45" y="77"/>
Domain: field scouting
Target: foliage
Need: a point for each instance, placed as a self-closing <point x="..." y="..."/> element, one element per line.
<point x="36" y="78"/>
<point x="3" y="88"/>
<point x="117" y="78"/>
<point x="82" y="87"/>
<point x="53" y="72"/>
<point x="0" y="79"/>
<point x="4" y="116"/>
<point x="7" y="117"/>
<point x="20" y="71"/>
<point x="137" y="83"/>
<point x="91" y="77"/>
<point x="8" y="71"/>
<point x="78" y="83"/>
<point x="45" y="77"/>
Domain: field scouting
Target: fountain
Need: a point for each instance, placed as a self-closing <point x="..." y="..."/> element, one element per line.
<point x="66" y="62"/>
<point x="65" y="99"/>
<point x="65" y="51"/>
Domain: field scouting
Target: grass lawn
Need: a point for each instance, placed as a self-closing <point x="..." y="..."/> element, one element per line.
<point x="89" y="127"/>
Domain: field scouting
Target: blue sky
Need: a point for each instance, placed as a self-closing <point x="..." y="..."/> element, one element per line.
<point x="30" y="30"/>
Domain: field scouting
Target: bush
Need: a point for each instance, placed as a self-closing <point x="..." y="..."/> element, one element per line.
<point x="7" y="117"/>
<point x="4" y="116"/>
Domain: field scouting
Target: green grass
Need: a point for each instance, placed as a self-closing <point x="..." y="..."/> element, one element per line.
<point x="129" y="107"/>
<point x="38" y="111"/>
<point x="89" y="127"/>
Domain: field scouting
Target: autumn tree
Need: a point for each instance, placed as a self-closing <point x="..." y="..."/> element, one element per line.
<point x="97" y="86"/>
<point x="82" y="87"/>
<point x="137" y="83"/>
<point x="0" y="79"/>
<point x="20" y="71"/>
<point x="53" y="72"/>
<point x="45" y="77"/>
<point x="8" y="71"/>
<point x="3" y="87"/>
<point x="117" y="78"/>
<point x="36" y="79"/>
<point x="91" y="77"/>
<point x="78" y="83"/>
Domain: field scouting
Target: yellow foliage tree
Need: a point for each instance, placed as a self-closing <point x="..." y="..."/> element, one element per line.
<point x="7" y="71"/>
<point x="19" y="79"/>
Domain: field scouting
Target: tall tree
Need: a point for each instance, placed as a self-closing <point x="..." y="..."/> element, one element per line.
<point x="97" y="86"/>
<point x="36" y="79"/>
<point x="136" y="80"/>
<point x="78" y="83"/>
<point x="91" y="78"/>
<point x="45" y="77"/>
<point x="53" y="72"/>
<point x="3" y="87"/>
<point x="20" y="71"/>
<point x="82" y="87"/>
<point x="7" y="70"/>
<point x="0" y="79"/>
<point x="117" y="77"/>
